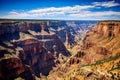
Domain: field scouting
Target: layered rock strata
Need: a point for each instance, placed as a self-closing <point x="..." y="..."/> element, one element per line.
<point x="108" y="28"/>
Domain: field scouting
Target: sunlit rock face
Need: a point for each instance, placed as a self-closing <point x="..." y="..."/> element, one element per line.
<point x="108" y="29"/>
<point x="94" y="57"/>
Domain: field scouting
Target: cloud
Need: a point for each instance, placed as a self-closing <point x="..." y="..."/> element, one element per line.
<point x="106" y="4"/>
<point x="75" y="8"/>
<point x="54" y="11"/>
<point x="97" y="15"/>
<point x="16" y="15"/>
<point x="67" y="12"/>
<point x="47" y="12"/>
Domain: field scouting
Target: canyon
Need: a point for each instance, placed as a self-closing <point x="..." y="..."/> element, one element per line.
<point x="59" y="50"/>
<point x="97" y="57"/>
<point x="33" y="48"/>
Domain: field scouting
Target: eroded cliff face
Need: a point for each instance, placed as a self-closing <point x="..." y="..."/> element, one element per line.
<point x="60" y="28"/>
<point x="12" y="67"/>
<point x="108" y="29"/>
<point x="39" y="44"/>
<point x="97" y="57"/>
<point x="33" y="44"/>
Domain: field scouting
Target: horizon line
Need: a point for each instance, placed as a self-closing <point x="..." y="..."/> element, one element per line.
<point x="58" y="19"/>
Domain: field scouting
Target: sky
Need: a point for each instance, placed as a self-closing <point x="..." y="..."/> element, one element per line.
<point x="60" y="9"/>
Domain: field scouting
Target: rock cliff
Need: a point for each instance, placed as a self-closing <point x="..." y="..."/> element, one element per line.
<point x="33" y="44"/>
<point x="38" y="47"/>
<point x="108" y="28"/>
<point x="96" y="57"/>
<point x="12" y="67"/>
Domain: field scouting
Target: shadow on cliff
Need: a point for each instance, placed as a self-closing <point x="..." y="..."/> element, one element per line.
<point x="10" y="36"/>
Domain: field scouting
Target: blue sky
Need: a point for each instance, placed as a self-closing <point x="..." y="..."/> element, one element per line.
<point x="60" y="9"/>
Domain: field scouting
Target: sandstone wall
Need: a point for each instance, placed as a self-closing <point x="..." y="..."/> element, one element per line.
<point x="108" y="28"/>
<point x="116" y="30"/>
<point x="99" y="28"/>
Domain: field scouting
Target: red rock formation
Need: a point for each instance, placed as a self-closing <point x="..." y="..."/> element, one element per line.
<point x="35" y="54"/>
<point x="80" y="54"/>
<point x="87" y="45"/>
<point x="35" y="50"/>
<point x="11" y="68"/>
<point x="102" y="50"/>
<point x="108" y="28"/>
<point x="67" y="42"/>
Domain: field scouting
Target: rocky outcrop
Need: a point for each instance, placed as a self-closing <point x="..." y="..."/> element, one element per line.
<point x="108" y="28"/>
<point x="12" y="68"/>
<point x="39" y="54"/>
<point x="102" y="50"/>
<point x="11" y="27"/>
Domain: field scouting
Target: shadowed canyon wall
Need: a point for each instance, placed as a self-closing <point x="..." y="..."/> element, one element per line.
<point x="33" y="44"/>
